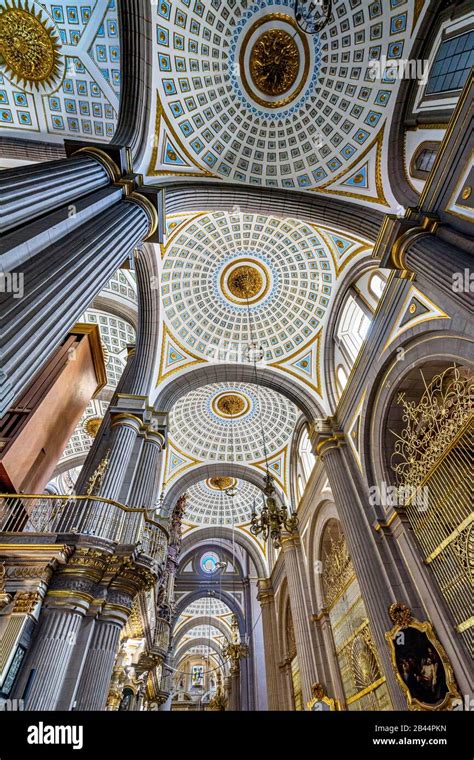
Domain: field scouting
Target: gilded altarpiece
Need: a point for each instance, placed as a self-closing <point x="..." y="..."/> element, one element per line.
<point x="433" y="460"/>
<point x="363" y="683"/>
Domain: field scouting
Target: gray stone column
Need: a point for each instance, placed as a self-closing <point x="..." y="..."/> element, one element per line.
<point x="234" y="703"/>
<point x="298" y="594"/>
<point x="286" y="700"/>
<point x="333" y="683"/>
<point x="360" y="539"/>
<point x="269" y="622"/>
<point x="56" y="637"/>
<point x="95" y="679"/>
<point x="143" y="491"/>
<point x="28" y="191"/>
<point x="59" y="283"/>
<point x="53" y="646"/>
<point x="125" y="427"/>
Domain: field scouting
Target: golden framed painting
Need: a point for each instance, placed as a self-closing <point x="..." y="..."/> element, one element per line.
<point x="420" y="662"/>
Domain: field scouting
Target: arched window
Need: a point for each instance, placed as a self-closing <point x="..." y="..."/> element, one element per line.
<point x="423" y="159"/>
<point x="353" y="326"/>
<point x="342" y="377"/>
<point x="362" y="680"/>
<point x="305" y="453"/>
<point x="377" y="284"/>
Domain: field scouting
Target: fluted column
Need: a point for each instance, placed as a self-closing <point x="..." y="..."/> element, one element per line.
<point x="28" y="191"/>
<point x="143" y="491"/>
<point x="125" y="427"/>
<point x="297" y="590"/>
<point x="56" y="638"/>
<point x="234" y="703"/>
<point x="335" y="681"/>
<point x="95" y="679"/>
<point x="373" y="583"/>
<point x="269" y="623"/>
<point x="59" y="283"/>
<point x="66" y="603"/>
<point x="96" y="674"/>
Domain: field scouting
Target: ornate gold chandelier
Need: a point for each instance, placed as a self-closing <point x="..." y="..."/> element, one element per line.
<point x="273" y="518"/>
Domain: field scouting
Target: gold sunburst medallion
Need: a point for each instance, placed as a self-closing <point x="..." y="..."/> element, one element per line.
<point x="274" y="62"/>
<point x="29" y="46"/>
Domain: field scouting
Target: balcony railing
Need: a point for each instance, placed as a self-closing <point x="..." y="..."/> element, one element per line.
<point x="85" y="515"/>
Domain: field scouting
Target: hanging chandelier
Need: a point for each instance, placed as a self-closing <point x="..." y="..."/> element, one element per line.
<point x="273" y="519"/>
<point x="312" y="15"/>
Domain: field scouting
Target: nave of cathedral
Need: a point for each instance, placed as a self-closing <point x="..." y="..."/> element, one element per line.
<point x="236" y="355"/>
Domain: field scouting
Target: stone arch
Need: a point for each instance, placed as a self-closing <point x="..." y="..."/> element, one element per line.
<point x="204" y="374"/>
<point x="201" y="620"/>
<point x="179" y="654"/>
<point x="204" y="544"/>
<point x="213" y="470"/>
<point x="186" y="196"/>
<point x="223" y="596"/>
<point x="219" y="531"/>
<point x="424" y="350"/>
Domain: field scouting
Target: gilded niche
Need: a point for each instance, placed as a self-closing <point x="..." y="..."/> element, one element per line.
<point x="274" y="62"/>
<point x="28" y="49"/>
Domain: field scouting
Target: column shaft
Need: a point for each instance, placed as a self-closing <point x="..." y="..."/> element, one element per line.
<point x="49" y="657"/>
<point x="269" y="624"/>
<point x="372" y="582"/>
<point x="297" y="587"/>
<point x="28" y="191"/>
<point x="59" y="285"/>
<point x="97" y="671"/>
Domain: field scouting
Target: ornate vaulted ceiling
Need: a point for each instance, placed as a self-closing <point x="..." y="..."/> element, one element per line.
<point x="208" y="504"/>
<point x="244" y="96"/>
<point x="229" y="280"/>
<point x="223" y="422"/>
<point x="59" y="69"/>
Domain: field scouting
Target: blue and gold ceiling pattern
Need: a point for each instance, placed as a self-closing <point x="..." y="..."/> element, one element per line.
<point x="208" y="503"/>
<point x="222" y="422"/>
<point x="209" y="264"/>
<point x="59" y="69"/>
<point x="245" y="96"/>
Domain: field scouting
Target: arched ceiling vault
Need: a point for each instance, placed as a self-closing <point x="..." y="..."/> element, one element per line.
<point x="319" y="126"/>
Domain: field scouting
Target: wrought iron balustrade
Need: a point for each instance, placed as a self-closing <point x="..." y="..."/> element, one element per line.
<point x="85" y="515"/>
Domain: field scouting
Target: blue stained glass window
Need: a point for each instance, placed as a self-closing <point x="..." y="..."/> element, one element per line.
<point x="209" y="562"/>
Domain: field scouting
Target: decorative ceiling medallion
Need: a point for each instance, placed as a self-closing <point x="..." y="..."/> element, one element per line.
<point x="245" y="281"/>
<point x="30" y="47"/>
<point x="221" y="483"/>
<point x="92" y="425"/>
<point x="231" y="405"/>
<point x="274" y="60"/>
